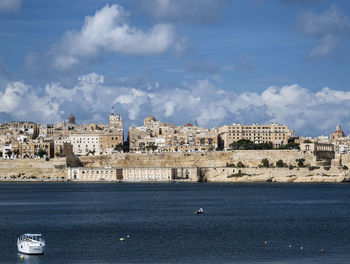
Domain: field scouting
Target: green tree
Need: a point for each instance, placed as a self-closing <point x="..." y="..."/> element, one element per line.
<point x="151" y="146"/>
<point x="246" y="144"/>
<point x="1" y="154"/>
<point x="291" y="145"/>
<point x="279" y="163"/>
<point x="41" y="153"/>
<point x="9" y="153"/>
<point x="300" y="162"/>
<point x="265" y="163"/>
<point x="266" y="145"/>
<point x="242" y="144"/>
<point x="119" y="147"/>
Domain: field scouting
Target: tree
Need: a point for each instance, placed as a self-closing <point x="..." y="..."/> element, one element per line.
<point x="1" y="154"/>
<point x="41" y="153"/>
<point x="16" y="152"/>
<point x="151" y="146"/>
<point x="300" y="162"/>
<point x="307" y="141"/>
<point x="57" y="154"/>
<point x="266" y="145"/>
<point x="242" y="144"/>
<point x="291" y="145"/>
<point x="265" y="163"/>
<point x="246" y="144"/>
<point x="279" y="163"/>
<point x="119" y="147"/>
<point x="8" y="152"/>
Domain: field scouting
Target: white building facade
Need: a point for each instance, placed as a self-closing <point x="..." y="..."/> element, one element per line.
<point x="83" y="144"/>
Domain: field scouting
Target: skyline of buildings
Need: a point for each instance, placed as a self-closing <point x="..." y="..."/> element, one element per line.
<point x="29" y="139"/>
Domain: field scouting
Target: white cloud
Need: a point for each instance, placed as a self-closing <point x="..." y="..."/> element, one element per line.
<point x="10" y="5"/>
<point x="310" y="113"/>
<point x="22" y="103"/>
<point x="305" y="111"/>
<point x="109" y="30"/>
<point x="329" y="27"/>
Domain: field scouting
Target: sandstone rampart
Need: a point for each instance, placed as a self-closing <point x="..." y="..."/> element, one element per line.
<point x="213" y="166"/>
<point x="33" y="170"/>
<point x="311" y="174"/>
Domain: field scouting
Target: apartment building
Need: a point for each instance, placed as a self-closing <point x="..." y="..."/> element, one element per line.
<point x="275" y="133"/>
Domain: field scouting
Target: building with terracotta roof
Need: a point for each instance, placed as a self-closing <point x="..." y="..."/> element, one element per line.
<point x="338" y="133"/>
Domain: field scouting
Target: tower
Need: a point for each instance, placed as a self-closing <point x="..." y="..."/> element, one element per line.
<point x="71" y="122"/>
<point x="115" y="120"/>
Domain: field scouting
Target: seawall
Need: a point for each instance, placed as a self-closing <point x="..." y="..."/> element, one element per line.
<point x="33" y="170"/>
<point x="213" y="166"/>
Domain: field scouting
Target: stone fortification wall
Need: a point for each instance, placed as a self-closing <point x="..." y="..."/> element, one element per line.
<point x="253" y="158"/>
<point x="171" y="160"/>
<point x="212" y="165"/>
<point x="33" y="170"/>
<point x="312" y="174"/>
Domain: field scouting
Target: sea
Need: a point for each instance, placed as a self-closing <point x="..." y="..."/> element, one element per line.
<point x="242" y="223"/>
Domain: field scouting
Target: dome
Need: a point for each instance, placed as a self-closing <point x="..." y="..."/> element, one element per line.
<point x="338" y="130"/>
<point x="338" y="133"/>
<point x="150" y="118"/>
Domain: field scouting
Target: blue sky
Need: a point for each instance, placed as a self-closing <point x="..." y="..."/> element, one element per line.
<point x="214" y="61"/>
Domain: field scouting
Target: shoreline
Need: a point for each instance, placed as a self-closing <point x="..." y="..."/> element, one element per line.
<point x="226" y="167"/>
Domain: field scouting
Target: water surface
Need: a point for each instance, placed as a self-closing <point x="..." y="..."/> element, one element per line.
<point x="83" y="223"/>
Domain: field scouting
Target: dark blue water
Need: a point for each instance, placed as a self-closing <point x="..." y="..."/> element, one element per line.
<point x="83" y="223"/>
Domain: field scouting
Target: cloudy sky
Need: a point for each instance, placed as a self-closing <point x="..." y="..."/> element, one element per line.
<point x="212" y="61"/>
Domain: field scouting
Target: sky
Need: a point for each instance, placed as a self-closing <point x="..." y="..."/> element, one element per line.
<point x="213" y="62"/>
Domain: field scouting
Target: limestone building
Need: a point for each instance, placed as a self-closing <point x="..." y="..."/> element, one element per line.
<point x="85" y="144"/>
<point x="94" y="174"/>
<point x="165" y="137"/>
<point x="275" y="133"/>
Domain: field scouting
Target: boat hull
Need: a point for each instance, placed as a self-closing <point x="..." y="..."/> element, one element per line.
<point x="24" y="248"/>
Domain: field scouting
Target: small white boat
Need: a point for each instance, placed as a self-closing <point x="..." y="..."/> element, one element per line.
<point x="199" y="211"/>
<point x="31" y="244"/>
